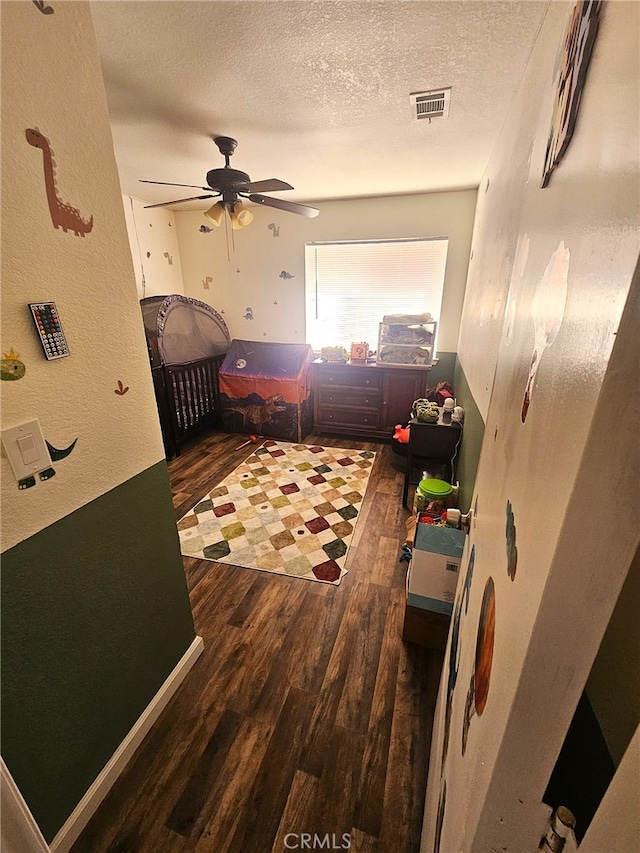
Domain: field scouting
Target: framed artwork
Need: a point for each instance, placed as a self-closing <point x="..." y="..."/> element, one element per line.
<point x="573" y="62"/>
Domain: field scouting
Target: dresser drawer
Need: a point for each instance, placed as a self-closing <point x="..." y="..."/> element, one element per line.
<point x="362" y="418"/>
<point x="365" y="400"/>
<point x="349" y="397"/>
<point x="354" y="377"/>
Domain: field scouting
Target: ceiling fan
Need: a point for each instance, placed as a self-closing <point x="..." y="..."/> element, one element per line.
<point x="232" y="186"/>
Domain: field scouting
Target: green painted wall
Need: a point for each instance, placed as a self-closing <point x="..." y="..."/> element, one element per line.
<point x="95" y="616"/>
<point x="613" y="686"/>
<point x="471" y="439"/>
<point x="444" y="370"/>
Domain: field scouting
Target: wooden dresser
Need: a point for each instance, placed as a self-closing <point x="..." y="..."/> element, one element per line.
<point x="364" y="399"/>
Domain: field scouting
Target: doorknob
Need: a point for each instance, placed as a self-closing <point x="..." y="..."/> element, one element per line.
<point x="561" y="823"/>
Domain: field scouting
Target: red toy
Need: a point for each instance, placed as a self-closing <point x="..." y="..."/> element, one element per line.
<point x="439" y="393"/>
<point x="401" y="434"/>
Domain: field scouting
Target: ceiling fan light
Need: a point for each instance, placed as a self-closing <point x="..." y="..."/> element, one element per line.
<point x="215" y="213"/>
<point x="240" y="216"/>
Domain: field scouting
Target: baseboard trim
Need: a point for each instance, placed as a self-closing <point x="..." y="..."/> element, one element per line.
<point x="88" y="805"/>
<point x="18" y="828"/>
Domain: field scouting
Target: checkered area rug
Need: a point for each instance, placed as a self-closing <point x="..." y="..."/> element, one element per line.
<point x="289" y="509"/>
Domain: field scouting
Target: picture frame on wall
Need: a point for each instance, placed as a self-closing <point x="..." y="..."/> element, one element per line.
<point x="573" y="62"/>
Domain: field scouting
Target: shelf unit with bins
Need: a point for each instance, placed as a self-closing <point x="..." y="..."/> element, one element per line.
<point x="408" y="345"/>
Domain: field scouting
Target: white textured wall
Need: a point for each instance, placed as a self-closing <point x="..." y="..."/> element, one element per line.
<point x="589" y="202"/>
<point x="153" y="238"/>
<point x="551" y="272"/>
<point x="89" y="278"/>
<point x="249" y="276"/>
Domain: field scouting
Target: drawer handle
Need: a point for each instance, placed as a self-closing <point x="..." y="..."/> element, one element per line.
<point x="367" y="381"/>
<point x="331" y="399"/>
<point x="366" y="400"/>
<point x="366" y="420"/>
<point x="330" y="417"/>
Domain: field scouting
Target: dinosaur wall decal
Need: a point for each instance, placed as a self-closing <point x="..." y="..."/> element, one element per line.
<point x="46" y="10"/>
<point x="62" y="215"/>
<point x="11" y="368"/>
<point x="56" y="455"/>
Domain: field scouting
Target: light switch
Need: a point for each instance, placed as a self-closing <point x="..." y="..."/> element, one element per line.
<point x="26" y="449"/>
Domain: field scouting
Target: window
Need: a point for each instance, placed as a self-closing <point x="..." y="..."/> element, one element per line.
<point x="350" y="286"/>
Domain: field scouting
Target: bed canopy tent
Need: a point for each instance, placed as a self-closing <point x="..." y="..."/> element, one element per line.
<point x="265" y="388"/>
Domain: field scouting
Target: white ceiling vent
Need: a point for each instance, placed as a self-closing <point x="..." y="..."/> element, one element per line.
<point x="434" y="104"/>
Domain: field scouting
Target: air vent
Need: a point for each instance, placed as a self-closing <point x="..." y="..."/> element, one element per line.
<point x="434" y="104"/>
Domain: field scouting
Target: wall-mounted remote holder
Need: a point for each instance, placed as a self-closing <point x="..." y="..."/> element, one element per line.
<point x="47" y="322"/>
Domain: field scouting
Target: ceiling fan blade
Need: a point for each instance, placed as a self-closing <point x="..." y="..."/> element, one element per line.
<point x="178" y="200"/>
<point x="167" y="184"/>
<point x="281" y="204"/>
<point x="270" y="185"/>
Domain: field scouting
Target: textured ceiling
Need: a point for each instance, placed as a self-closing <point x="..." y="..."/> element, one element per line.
<point x="316" y="93"/>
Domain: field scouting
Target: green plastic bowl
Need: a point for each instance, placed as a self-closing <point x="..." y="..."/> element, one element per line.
<point x="435" y="489"/>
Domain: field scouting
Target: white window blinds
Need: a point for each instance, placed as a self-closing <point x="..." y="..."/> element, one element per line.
<point x="351" y="286"/>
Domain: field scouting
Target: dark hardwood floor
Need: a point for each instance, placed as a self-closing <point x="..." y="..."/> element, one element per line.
<point x="306" y="713"/>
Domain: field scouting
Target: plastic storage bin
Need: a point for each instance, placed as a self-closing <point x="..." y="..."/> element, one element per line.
<point x="406" y="344"/>
<point x="432" y="496"/>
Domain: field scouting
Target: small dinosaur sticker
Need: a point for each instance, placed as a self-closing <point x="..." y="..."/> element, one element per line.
<point x="11" y="368"/>
<point x="46" y="10"/>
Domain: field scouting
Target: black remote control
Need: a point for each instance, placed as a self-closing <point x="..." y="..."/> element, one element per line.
<point x="45" y="316"/>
